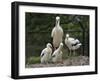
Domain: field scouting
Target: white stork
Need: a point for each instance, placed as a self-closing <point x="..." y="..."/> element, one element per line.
<point x="57" y="33"/>
<point x="72" y="43"/>
<point x="46" y="54"/>
<point x="57" y="55"/>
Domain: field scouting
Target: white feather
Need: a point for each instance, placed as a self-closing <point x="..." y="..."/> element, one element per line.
<point x="46" y="54"/>
<point x="71" y="41"/>
<point x="57" y="55"/>
<point x="57" y="33"/>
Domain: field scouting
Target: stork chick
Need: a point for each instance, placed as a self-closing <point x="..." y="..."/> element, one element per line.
<point x="57" y="55"/>
<point x="46" y="54"/>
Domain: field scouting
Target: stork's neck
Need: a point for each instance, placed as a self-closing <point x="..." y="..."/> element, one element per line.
<point x="60" y="47"/>
<point x="57" y="23"/>
<point x="48" y="48"/>
<point x="67" y="38"/>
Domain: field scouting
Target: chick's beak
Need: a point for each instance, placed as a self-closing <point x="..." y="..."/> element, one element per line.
<point x="50" y="46"/>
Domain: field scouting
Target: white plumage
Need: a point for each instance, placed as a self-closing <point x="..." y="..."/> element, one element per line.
<point x="57" y="54"/>
<point x="46" y="54"/>
<point x="57" y="33"/>
<point x="72" y="44"/>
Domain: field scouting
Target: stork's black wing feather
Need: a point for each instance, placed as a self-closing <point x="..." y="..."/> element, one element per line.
<point x="42" y="54"/>
<point x="75" y="44"/>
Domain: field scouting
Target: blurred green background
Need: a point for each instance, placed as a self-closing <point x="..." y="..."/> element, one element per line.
<point x="38" y="33"/>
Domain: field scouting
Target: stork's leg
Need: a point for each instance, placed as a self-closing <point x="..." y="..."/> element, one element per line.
<point x="61" y="61"/>
<point x="70" y="53"/>
<point x="74" y="52"/>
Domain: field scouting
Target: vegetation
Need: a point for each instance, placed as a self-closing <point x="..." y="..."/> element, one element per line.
<point x="33" y="60"/>
<point x="38" y="32"/>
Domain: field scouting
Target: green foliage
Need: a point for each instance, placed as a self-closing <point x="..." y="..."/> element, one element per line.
<point x="33" y="60"/>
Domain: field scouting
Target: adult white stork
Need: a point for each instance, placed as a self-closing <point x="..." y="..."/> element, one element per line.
<point x="57" y="34"/>
<point x="57" y="55"/>
<point x="72" y="43"/>
<point x="46" y="54"/>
